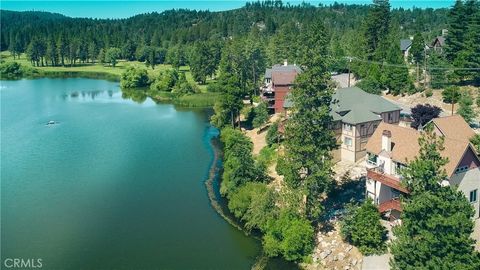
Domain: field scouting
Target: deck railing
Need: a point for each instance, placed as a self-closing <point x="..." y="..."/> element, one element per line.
<point x="378" y="174"/>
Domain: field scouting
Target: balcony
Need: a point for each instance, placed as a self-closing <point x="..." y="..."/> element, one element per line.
<point x="378" y="175"/>
<point x="393" y="204"/>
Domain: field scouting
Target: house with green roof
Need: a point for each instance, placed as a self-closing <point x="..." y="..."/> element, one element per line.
<point x="356" y="115"/>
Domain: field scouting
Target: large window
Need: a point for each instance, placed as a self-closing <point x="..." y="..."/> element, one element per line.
<point x="348" y="141"/>
<point x="473" y="196"/>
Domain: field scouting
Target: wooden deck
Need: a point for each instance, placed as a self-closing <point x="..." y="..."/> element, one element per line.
<point x="386" y="179"/>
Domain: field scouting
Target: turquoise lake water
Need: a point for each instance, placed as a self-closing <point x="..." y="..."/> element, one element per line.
<point x="114" y="185"/>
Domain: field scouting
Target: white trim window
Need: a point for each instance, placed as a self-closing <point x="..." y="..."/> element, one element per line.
<point x="473" y="196"/>
<point x="348" y="141"/>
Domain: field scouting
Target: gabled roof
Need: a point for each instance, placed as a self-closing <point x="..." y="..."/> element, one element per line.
<point x="352" y="105"/>
<point x="405" y="44"/>
<point x="283" y="77"/>
<point x="405" y="145"/>
<point x="440" y="40"/>
<point x="454" y="127"/>
<point x="278" y="67"/>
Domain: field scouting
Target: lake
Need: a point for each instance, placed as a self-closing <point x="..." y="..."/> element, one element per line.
<point x="114" y="184"/>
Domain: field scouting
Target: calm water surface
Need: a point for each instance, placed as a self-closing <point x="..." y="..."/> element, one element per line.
<point x="114" y="185"/>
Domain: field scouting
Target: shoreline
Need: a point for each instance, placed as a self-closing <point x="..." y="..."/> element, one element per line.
<point x="214" y="177"/>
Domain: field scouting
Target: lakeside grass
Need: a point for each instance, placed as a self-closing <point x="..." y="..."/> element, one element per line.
<point x="101" y="71"/>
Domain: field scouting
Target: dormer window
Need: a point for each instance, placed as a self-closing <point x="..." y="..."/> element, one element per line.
<point x="347" y="127"/>
<point x="461" y="169"/>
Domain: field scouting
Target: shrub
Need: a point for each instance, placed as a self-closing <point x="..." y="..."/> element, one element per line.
<point x="290" y="236"/>
<point x="362" y="228"/>
<point x="165" y="81"/>
<point x="428" y="92"/>
<point x="273" y="136"/>
<point x="134" y="77"/>
<point x="260" y="115"/>
<point x="422" y="114"/>
<point x="11" y="70"/>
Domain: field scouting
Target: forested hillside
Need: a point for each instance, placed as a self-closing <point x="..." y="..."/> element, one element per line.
<point x="171" y="35"/>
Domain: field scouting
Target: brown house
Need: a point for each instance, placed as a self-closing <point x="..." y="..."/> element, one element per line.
<point x="278" y="83"/>
<point x="391" y="147"/>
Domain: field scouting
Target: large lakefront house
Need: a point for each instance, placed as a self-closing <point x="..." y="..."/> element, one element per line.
<point x="278" y="83"/>
<point x="356" y="115"/>
<point x="392" y="146"/>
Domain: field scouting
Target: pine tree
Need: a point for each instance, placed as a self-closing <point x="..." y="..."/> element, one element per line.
<point x="426" y="171"/>
<point x="376" y="27"/>
<point x="436" y="220"/>
<point x="308" y="137"/>
<point x="417" y="51"/>
<point x="465" y="107"/>
<point x="473" y="46"/>
<point x="436" y="233"/>
<point x="451" y="95"/>
<point x="455" y="39"/>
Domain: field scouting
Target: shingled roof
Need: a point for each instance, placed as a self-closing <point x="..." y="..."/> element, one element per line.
<point x="283" y="77"/>
<point x="405" y="145"/>
<point x="454" y="127"/>
<point x="278" y="67"/>
<point x="352" y="105"/>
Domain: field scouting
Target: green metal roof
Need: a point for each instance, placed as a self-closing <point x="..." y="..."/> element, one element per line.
<point x="352" y="105"/>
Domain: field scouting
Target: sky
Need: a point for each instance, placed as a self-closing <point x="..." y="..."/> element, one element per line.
<point x="127" y="8"/>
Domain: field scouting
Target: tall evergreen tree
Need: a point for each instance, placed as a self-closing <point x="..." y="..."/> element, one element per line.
<point x="417" y="51"/>
<point x="376" y="26"/>
<point x="436" y="220"/>
<point x="308" y="137"/>
<point x="455" y="39"/>
<point x="465" y="108"/>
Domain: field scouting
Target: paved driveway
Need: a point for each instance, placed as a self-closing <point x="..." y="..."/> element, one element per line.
<point x="376" y="262"/>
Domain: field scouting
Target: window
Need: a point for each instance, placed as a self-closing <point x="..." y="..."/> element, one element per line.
<point x="347" y="127"/>
<point x="363" y="130"/>
<point x="473" y="196"/>
<point x="348" y="141"/>
<point x="461" y="169"/>
<point x="372" y="159"/>
<point x="390" y="117"/>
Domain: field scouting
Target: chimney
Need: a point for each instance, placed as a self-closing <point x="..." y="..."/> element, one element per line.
<point x="387" y="140"/>
<point x="411" y="37"/>
<point x="285" y="63"/>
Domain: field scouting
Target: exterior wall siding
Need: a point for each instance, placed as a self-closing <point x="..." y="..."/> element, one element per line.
<point x="467" y="182"/>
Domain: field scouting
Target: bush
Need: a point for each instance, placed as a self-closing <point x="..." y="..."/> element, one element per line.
<point x="183" y="87"/>
<point x="214" y="88"/>
<point x="422" y="114"/>
<point x="290" y="236"/>
<point x="362" y="228"/>
<point x="11" y="70"/>
<point x="273" y="136"/>
<point x="428" y="92"/>
<point x="267" y="155"/>
<point x="240" y="200"/>
<point x="165" y="81"/>
<point x="134" y="77"/>
<point x="260" y="115"/>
